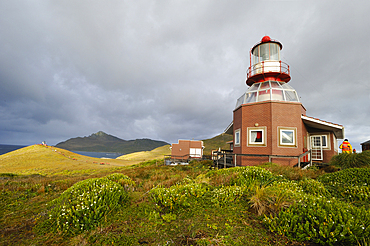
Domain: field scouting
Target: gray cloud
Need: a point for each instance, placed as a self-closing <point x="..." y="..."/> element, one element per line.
<point x="168" y="70"/>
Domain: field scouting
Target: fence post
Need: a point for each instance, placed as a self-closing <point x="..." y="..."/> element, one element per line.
<point x="224" y="160"/>
<point x="235" y="159"/>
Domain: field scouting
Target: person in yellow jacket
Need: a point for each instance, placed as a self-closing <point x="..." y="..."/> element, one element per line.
<point x="346" y="146"/>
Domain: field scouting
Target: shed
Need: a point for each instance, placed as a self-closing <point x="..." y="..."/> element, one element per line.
<point x="365" y="145"/>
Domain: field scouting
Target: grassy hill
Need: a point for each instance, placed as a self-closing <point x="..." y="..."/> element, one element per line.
<point x="102" y="142"/>
<point x="217" y="142"/>
<point x="153" y="204"/>
<point x="157" y="153"/>
<point x="47" y="160"/>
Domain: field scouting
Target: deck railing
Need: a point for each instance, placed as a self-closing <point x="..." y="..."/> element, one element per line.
<point x="225" y="158"/>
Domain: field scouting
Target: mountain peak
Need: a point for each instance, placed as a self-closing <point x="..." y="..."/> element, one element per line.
<point x="99" y="134"/>
<point x="103" y="142"/>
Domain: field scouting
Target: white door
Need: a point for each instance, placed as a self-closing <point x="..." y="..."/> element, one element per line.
<point x="316" y="148"/>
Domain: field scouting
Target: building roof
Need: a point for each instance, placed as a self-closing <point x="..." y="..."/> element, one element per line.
<point x="367" y="142"/>
<point x="324" y="125"/>
<point x="230" y="128"/>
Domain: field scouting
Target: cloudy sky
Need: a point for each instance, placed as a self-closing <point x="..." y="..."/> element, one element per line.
<point x="169" y="70"/>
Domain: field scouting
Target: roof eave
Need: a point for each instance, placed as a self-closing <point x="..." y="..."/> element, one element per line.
<point x="338" y="130"/>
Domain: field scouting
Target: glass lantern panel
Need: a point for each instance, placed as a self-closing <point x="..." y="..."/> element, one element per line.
<point x="255" y="55"/>
<point x="286" y="86"/>
<point x="240" y="101"/>
<point x="264" y="95"/>
<point x="251" y="97"/>
<point x="254" y="87"/>
<point x="264" y="52"/>
<point x="291" y="96"/>
<point x="275" y="84"/>
<point x="277" y="95"/>
<point x="265" y="85"/>
<point x="274" y="52"/>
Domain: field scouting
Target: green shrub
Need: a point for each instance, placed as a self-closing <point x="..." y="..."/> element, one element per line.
<point x="246" y="176"/>
<point x="313" y="187"/>
<point x="178" y="196"/>
<point x="225" y="195"/>
<point x="351" y="160"/>
<point x="351" y="176"/>
<point x="82" y="206"/>
<point x="121" y="179"/>
<point x="351" y="185"/>
<point x="322" y="221"/>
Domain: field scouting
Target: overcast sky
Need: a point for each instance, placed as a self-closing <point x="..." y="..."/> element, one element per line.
<point x="170" y="70"/>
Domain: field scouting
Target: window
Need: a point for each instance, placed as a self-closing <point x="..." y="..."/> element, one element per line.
<point x="287" y="137"/>
<point x="256" y="136"/>
<point x="237" y="138"/>
<point x="195" y="152"/>
<point x="324" y="141"/>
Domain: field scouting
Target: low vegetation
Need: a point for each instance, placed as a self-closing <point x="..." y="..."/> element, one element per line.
<point x="195" y="204"/>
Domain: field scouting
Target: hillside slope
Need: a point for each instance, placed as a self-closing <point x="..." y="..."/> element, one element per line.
<point x="157" y="153"/>
<point x="102" y="142"/>
<point x="39" y="159"/>
<point x="217" y="142"/>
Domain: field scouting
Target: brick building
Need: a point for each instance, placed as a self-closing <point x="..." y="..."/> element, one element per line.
<point x="269" y="121"/>
<point x="186" y="149"/>
<point x="365" y="145"/>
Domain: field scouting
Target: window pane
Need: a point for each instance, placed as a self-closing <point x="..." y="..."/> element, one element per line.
<point x="256" y="136"/>
<point x="240" y="101"/>
<point x="323" y="141"/>
<point x="275" y="84"/>
<point x="251" y="97"/>
<point x="265" y="85"/>
<point x="264" y="95"/>
<point x="274" y="51"/>
<point x="277" y="95"/>
<point x="254" y="87"/>
<point x="287" y="137"/>
<point x="237" y="137"/>
<point x="291" y="96"/>
<point x="264" y="52"/>
<point x="286" y="86"/>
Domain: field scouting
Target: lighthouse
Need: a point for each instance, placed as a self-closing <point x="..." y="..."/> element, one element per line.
<point x="269" y="121"/>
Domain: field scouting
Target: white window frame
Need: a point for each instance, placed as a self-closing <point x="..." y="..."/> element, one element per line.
<point x="195" y="152"/>
<point x="327" y="140"/>
<point x="237" y="133"/>
<point x="254" y="129"/>
<point x="280" y="137"/>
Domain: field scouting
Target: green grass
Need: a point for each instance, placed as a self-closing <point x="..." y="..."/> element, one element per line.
<point x="210" y="207"/>
<point x="38" y="159"/>
<point x="157" y="153"/>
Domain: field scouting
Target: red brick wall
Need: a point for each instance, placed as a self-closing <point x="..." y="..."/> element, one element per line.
<point x="270" y="115"/>
<point x="182" y="148"/>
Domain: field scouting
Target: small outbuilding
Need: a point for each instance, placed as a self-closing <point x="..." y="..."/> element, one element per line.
<point x="186" y="149"/>
<point x="365" y="145"/>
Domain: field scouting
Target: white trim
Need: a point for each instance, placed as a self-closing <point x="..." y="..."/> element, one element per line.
<point x="237" y="144"/>
<point x="322" y="122"/>
<point x="259" y="144"/>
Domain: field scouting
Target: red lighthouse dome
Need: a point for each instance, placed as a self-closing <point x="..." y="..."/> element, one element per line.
<point x="265" y="62"/>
